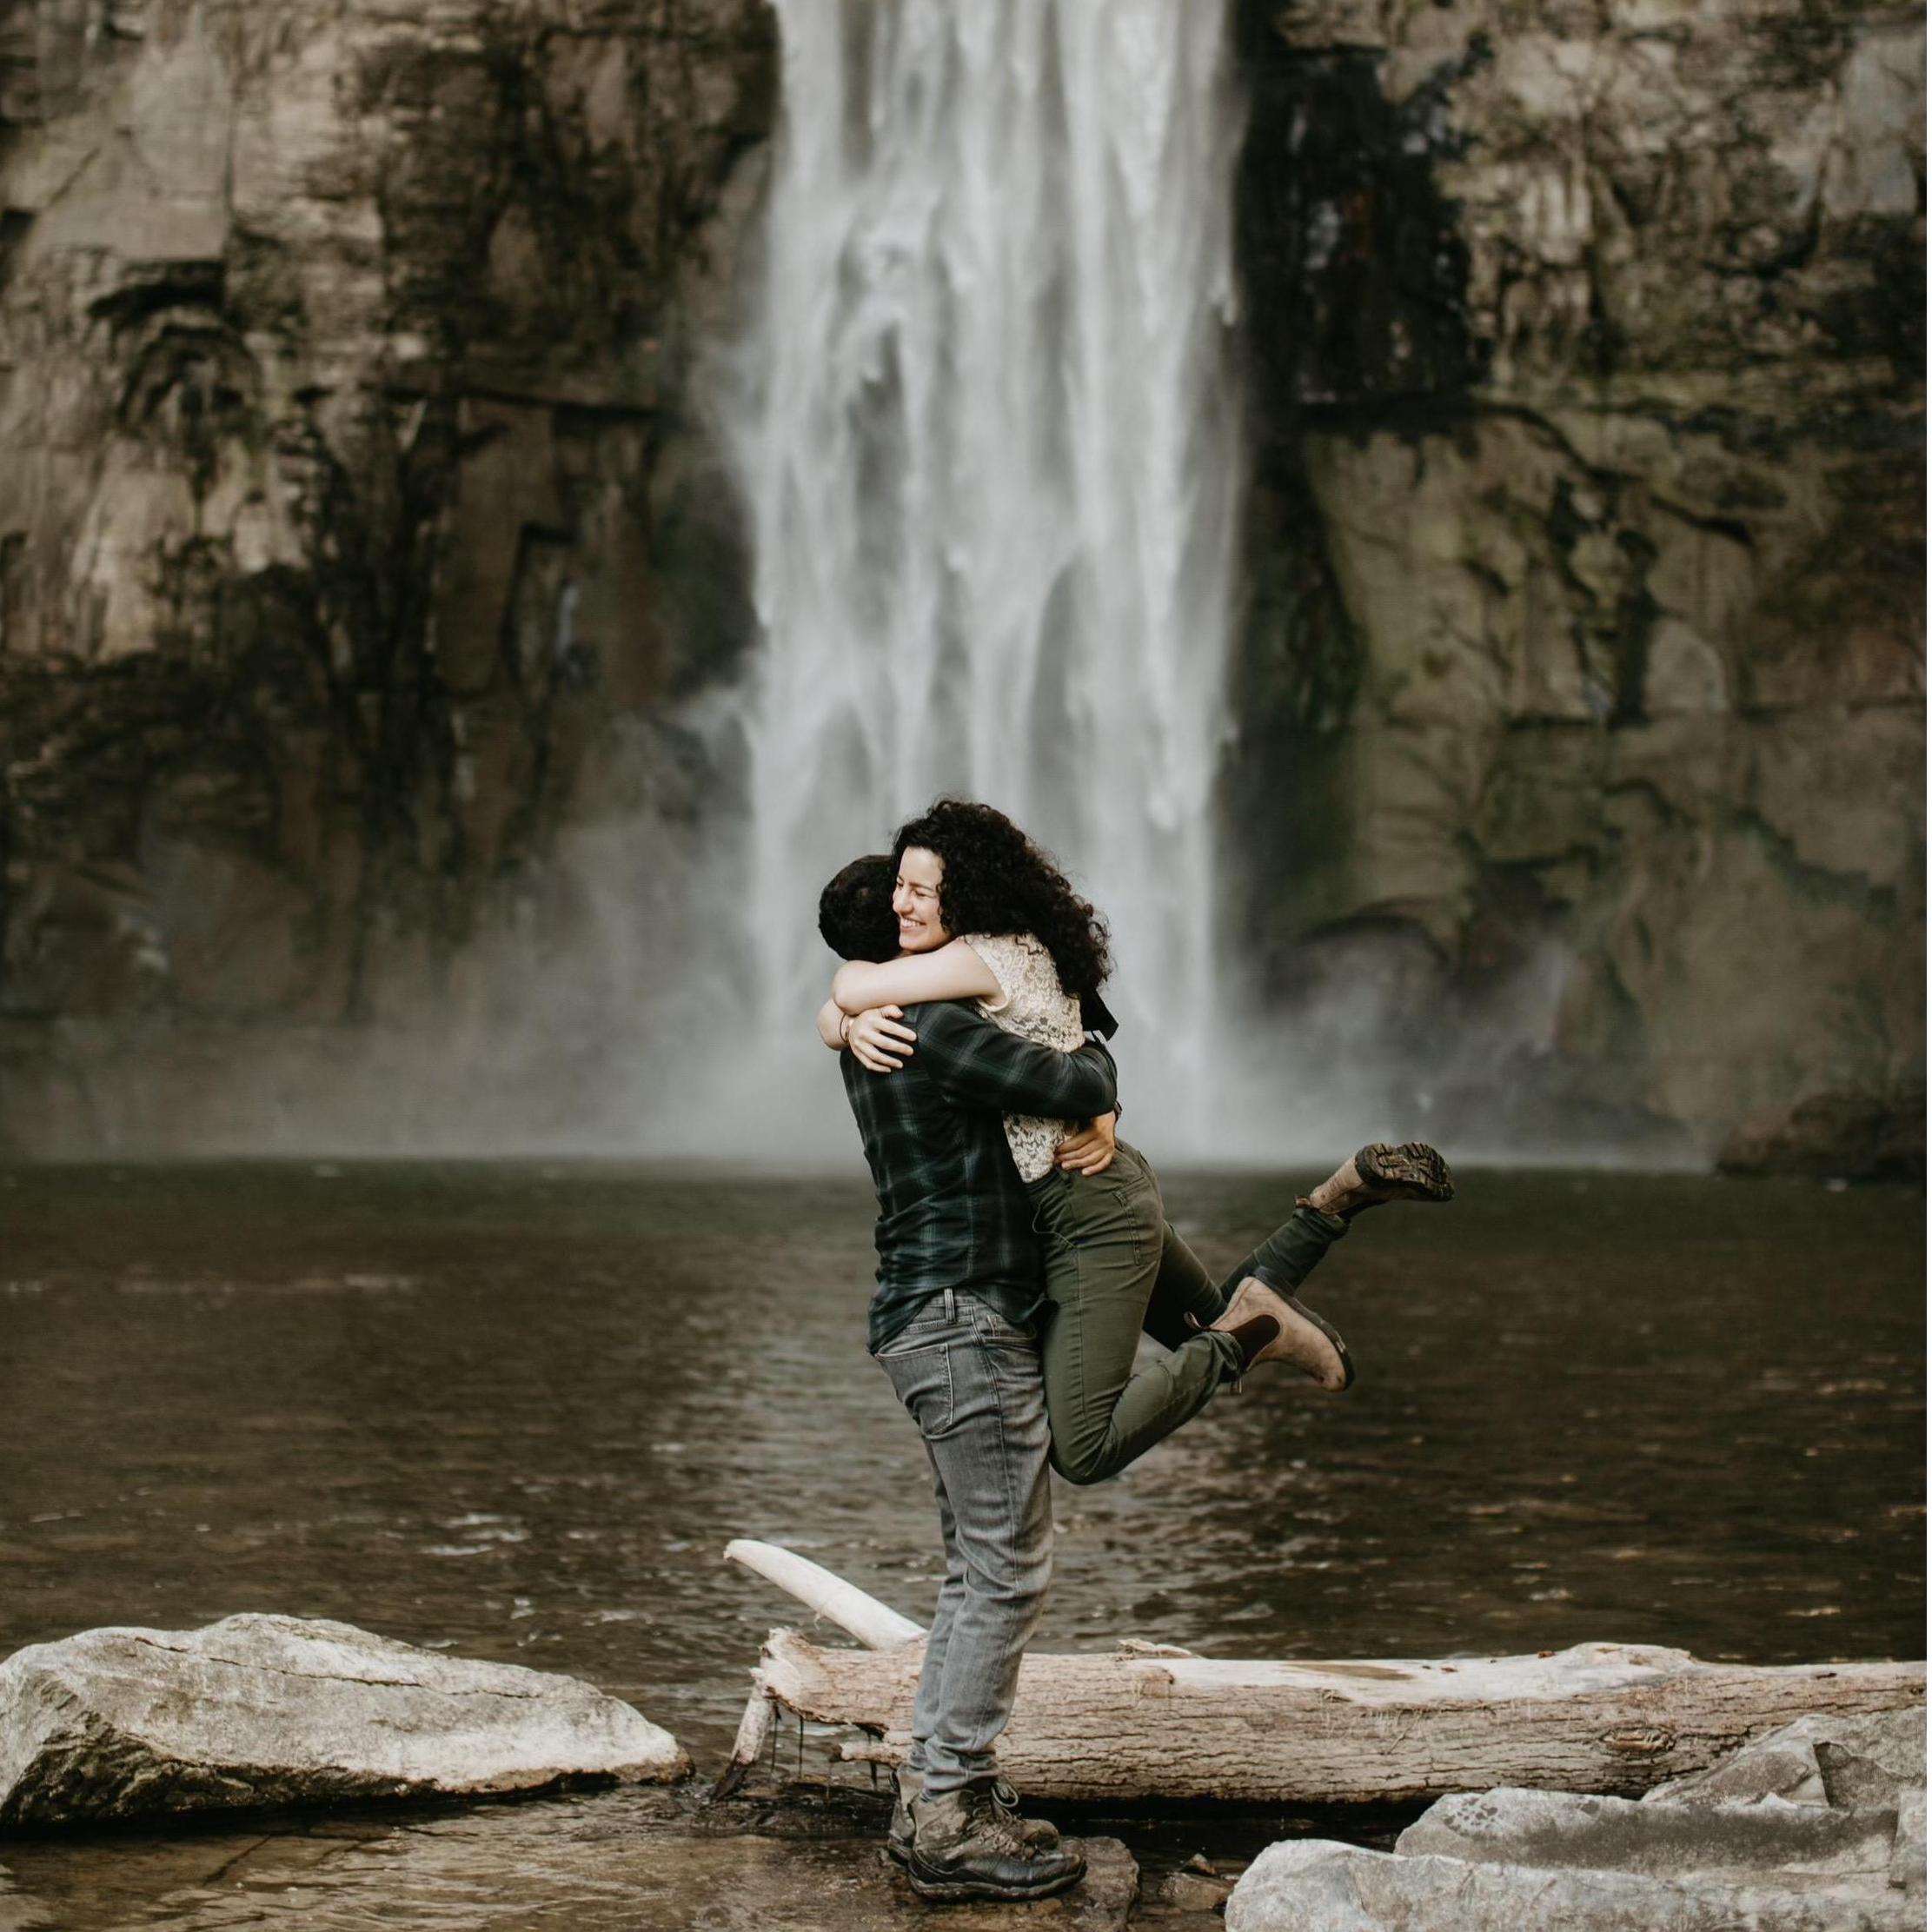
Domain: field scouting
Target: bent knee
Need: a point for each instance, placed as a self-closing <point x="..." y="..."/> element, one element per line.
<point x="1083" y="1467"/>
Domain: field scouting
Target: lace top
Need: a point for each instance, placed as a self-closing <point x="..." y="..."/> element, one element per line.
<point x="1032" y="1005"/>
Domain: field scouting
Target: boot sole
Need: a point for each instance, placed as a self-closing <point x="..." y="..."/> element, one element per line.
<point x="1413" y="1171"/>
<point x="971" y="1888"/>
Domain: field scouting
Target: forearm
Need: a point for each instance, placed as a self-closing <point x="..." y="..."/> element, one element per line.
<point x="979" y="1065"/>
<point x="846" y="993"/>
<point x="1061" y="1086"/>
<point x="955" y="971"/>
<point x="1099" y="1084"/>
<point x="831" y="1025"/>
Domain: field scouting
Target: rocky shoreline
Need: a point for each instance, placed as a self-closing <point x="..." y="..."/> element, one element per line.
<point x="1819" y="1823"/>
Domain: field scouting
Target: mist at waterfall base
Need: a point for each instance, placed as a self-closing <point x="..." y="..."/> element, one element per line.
<point x="1295" y="1091"/>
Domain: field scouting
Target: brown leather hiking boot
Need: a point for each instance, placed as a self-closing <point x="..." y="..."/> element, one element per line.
<point x="964" y="1846"/>
<point x="907" y="1785"/>
<point x="1303" y="1337"/>
<point x="1378" y="1173"/>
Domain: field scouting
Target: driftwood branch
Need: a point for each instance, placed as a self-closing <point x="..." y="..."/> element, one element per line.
<point x="873" y="1623"/>
<point x="1603" y="1718"/>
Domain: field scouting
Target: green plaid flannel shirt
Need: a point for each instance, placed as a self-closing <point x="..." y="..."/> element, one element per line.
<point x="953" y="1211"/>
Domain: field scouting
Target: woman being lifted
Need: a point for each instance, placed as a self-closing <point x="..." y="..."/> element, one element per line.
<point x="976" y="911"/>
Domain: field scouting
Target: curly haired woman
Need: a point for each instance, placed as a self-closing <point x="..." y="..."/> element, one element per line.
<point x="978" y="912"/>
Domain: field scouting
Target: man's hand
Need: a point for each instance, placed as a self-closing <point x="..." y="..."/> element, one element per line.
<point x="1091" y="1150"/>
<point x="879" y="1043"/>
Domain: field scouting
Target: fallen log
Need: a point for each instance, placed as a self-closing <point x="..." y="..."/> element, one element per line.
<point x="1154" y="1721"/>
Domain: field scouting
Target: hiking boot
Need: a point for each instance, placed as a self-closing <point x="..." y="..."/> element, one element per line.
<point x="906" y="1784"/>
<point x="1302" y="1336"/>
<point x="1378" y="1173"/>
<point x="964" y="1846"/>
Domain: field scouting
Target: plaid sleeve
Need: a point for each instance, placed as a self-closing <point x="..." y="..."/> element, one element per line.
<point x="976" y="1064"/>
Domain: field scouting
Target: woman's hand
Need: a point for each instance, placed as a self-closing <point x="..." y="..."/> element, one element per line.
<point x="879" y="1043"/>
<point x="1091" y="1150"/>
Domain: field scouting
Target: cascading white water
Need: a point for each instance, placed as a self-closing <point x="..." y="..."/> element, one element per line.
<point x="985" y="428"/>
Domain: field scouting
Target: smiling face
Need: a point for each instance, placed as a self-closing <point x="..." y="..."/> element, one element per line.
<point x="916" y="900"/>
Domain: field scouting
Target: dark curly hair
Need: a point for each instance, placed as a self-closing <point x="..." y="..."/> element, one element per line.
<point x="998" y="880"/>
<point x="855" y="910"/>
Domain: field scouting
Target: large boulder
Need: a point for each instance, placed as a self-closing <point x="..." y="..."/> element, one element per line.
<point x="1314" y="1885"/>
<point x="1817" y="1825"/>
<point x="1906" y="1870"/>
<point x="280" y="1710"/>
<point x="1846" y="1761"/>
<point x="1738" y="1840"/>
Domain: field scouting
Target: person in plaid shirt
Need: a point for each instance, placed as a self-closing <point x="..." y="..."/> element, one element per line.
<point x="954" y="1324"/>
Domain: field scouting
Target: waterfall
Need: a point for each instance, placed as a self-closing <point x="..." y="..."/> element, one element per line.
<point x="985" y="429"/>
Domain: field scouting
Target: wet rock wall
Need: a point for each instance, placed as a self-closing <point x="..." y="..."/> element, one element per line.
<point x="355" y="522"/>
<point x="360" y="527"/>
<point x="1582" y="684"/>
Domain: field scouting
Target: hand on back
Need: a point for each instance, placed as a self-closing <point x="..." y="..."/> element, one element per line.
<point x="878" y="1041"/>
<point x="1091" y="1150"/>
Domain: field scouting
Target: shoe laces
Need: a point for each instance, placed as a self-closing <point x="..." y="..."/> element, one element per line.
<point x="993" y="1820"/>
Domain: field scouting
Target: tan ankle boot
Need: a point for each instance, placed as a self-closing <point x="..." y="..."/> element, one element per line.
<point x="1305" y="1339"/>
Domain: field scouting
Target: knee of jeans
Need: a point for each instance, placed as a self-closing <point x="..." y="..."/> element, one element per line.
<point x="1022" y="1581"/>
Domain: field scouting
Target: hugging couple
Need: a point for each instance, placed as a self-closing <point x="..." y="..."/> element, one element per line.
<point x="1023" y="1249"/>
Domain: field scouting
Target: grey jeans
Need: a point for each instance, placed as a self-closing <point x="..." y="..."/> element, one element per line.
<point x="971" y="1382"/>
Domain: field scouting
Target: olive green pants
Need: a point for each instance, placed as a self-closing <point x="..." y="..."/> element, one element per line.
<point x="1114" y="1268"/>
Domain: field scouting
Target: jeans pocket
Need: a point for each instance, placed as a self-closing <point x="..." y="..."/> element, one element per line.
<point x="1130" y="1177"/>
<point x="915" y="1336"/>
<point x="922" y="1379"/>
<point x="993" y="1329"/>
<point x="932" y="1326"/>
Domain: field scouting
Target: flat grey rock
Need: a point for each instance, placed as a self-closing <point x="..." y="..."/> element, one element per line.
<point x="259" y="1710"/>
<point x="1315" y="1885"/>
<point x="1735" y="1838"/>
<point x="1816" y="1760"/>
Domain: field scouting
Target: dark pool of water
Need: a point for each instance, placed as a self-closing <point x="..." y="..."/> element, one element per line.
<point x="518" y="1411"/>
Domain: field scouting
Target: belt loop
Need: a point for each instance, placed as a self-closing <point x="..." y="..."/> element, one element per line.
<point x="951" y="1306"/>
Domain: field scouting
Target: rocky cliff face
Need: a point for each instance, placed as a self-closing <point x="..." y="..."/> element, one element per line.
<point x="357" y="525"/>
<point x="1584" y="679"/>
<point x="353" y="524"/>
